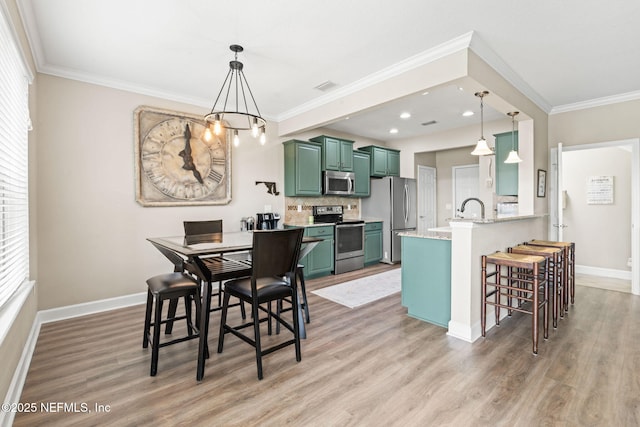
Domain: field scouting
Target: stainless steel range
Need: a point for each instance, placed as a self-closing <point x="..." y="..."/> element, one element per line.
<point x="349" y="238"/>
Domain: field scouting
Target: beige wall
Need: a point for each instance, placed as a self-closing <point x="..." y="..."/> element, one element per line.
<point x="91" y="231"/>
<point x="599" y="124"/>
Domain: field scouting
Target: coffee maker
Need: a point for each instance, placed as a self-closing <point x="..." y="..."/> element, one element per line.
<point x="267" y="221"/>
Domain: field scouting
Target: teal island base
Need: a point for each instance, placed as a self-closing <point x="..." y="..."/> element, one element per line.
<point x="426" y="278"/>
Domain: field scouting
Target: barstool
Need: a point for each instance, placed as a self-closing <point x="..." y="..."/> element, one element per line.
<point x="522" y="285"/>
<point x="171" y="286"/>
<point x="569" y="264"/>
<point x="552" y="270"/>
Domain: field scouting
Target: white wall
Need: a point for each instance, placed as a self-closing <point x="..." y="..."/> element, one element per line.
<point x="608" y="225"/>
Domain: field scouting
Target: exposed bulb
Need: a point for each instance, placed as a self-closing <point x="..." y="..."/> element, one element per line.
<point x="236" y="139"/>
<point x="217" y="127"/>
<point x="263" y="137"/>
<point x="207" y="134"/>
<point x="254" y="128"/>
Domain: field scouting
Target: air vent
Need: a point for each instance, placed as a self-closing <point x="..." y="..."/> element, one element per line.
<point x="326" y="85"/>
<point x="430" y="122"/>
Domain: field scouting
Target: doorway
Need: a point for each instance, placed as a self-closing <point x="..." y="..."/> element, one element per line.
<point x="594" y="193"/>
<point x="427" y="213"/>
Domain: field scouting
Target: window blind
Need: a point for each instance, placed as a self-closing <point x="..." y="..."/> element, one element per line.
<point x="14" y="197"/>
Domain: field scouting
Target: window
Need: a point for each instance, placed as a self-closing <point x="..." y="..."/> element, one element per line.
<point x="14" y="201"/>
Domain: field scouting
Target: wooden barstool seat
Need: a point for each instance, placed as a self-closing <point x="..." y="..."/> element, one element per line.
<point x="569" y="266"/>
<point x="553" y="272"/>
<point x="516" y="277"/>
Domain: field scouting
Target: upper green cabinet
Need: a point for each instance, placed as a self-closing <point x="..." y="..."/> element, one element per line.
<point x="302" y="174"/>
<point x="506" y="173"/>
<point x="337" y="154"/>
<point x="362" y="168"/>
<point x="384" y="161"/>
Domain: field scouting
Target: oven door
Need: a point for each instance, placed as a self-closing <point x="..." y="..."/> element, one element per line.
<point x="338" y="183"/>
<point x="349" y="241"/>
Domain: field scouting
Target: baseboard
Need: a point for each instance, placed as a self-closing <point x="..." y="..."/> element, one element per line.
<point x="20" y="374"/>
<point x="70" y="311"/>
<point x="52" y="315"/>
<point x="603" y="272"/>
<point x="473" y="332"/>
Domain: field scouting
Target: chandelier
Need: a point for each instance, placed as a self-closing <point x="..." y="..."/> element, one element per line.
<point x="236" y="116"/>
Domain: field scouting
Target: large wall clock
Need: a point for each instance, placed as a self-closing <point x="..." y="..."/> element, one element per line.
<point x="175" y="164"/>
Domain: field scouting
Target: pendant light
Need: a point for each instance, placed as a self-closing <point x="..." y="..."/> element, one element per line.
<point x="238" y="116"/>
<point x="482" y="149"/>
<point x="513" y="154"/>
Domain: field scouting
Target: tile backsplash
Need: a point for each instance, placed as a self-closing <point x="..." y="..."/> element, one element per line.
<point x="292" y="216"/>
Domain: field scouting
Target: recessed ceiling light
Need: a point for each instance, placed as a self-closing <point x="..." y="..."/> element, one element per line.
<point x="425" y="92"/>
<point x="468" y="113"/>
<point x="405" y="115"/>
<point x="393" y="130"/>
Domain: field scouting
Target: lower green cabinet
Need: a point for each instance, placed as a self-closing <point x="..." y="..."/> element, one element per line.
<point x="426" y="279"/>
<point x="320" y="261"/>
<point x="372" y="242"/>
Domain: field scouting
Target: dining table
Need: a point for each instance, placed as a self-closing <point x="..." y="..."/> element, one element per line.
<point x="217" y="244"/>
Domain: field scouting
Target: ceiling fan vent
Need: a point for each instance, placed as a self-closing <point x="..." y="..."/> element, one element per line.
<point x="325" y="85"/>
<point x="430" y="122"/>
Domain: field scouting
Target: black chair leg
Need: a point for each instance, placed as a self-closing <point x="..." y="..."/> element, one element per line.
<point x="187" y="311"/>
<point x="173" y="306"/>
<point x="256" y="333"/>
<point x="156" y="337"/>
<point x="147" y="320"/>
<point x="223" y="322"/>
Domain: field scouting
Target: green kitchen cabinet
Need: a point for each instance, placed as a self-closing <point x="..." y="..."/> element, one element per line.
<point x="426" y="279"/>
<point x="506" y="173"/>
<point x="362" y="169"/>
<point x="302" y="174"/>
<point x="320" y="261"/>
<point x="337" y="154"/>
<point x="384" y="161"/>
<point x="372" y="242"/>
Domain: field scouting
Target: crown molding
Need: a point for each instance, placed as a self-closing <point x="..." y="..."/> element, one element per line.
<point x="420" y="59"/>
<point x="597" y="102"/>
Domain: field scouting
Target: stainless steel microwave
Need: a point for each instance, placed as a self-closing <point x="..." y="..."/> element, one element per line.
<point x="339" y="183"/>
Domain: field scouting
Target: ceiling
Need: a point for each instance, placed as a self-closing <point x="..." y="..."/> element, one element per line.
<point x="566" y="55"/>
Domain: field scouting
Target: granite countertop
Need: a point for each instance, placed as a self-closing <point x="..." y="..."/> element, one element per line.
<point x="320" y="224"/>
<point x="438" y="235"/>
<point x="496" y="220"/>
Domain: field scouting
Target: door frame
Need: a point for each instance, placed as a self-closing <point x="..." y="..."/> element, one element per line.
<point x="454" y="213"/>
<point x="556" y="189"/>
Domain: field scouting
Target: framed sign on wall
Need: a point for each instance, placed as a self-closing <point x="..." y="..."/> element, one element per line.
<point x="175" y="165"/>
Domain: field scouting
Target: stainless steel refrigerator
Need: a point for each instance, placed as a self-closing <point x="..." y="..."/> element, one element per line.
<point x="393" y="200"/>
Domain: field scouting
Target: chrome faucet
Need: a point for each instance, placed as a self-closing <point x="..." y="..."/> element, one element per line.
<point x="464" y="203"/>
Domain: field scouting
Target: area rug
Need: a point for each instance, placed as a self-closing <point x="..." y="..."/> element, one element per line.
<point x="363" y="291"/>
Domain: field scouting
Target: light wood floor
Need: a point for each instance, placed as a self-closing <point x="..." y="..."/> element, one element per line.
<point x="370" y="366"/>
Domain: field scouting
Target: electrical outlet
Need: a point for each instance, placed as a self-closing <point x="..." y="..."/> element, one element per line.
<point x="489" y="182"/>
<point x="299" y="208"/>
<point x="629" y="262"/>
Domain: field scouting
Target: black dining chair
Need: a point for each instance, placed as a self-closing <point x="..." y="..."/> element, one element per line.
<point x="220" y="266"/>
<point x="275" y="258"/>
<point x="171" y="286"/>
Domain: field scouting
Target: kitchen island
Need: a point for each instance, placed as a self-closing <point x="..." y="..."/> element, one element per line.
<point x="426" y="276"/>
<point x="469" y="240"/>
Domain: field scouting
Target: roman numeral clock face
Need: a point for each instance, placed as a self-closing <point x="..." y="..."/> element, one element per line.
<point x="179" y="166"/>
